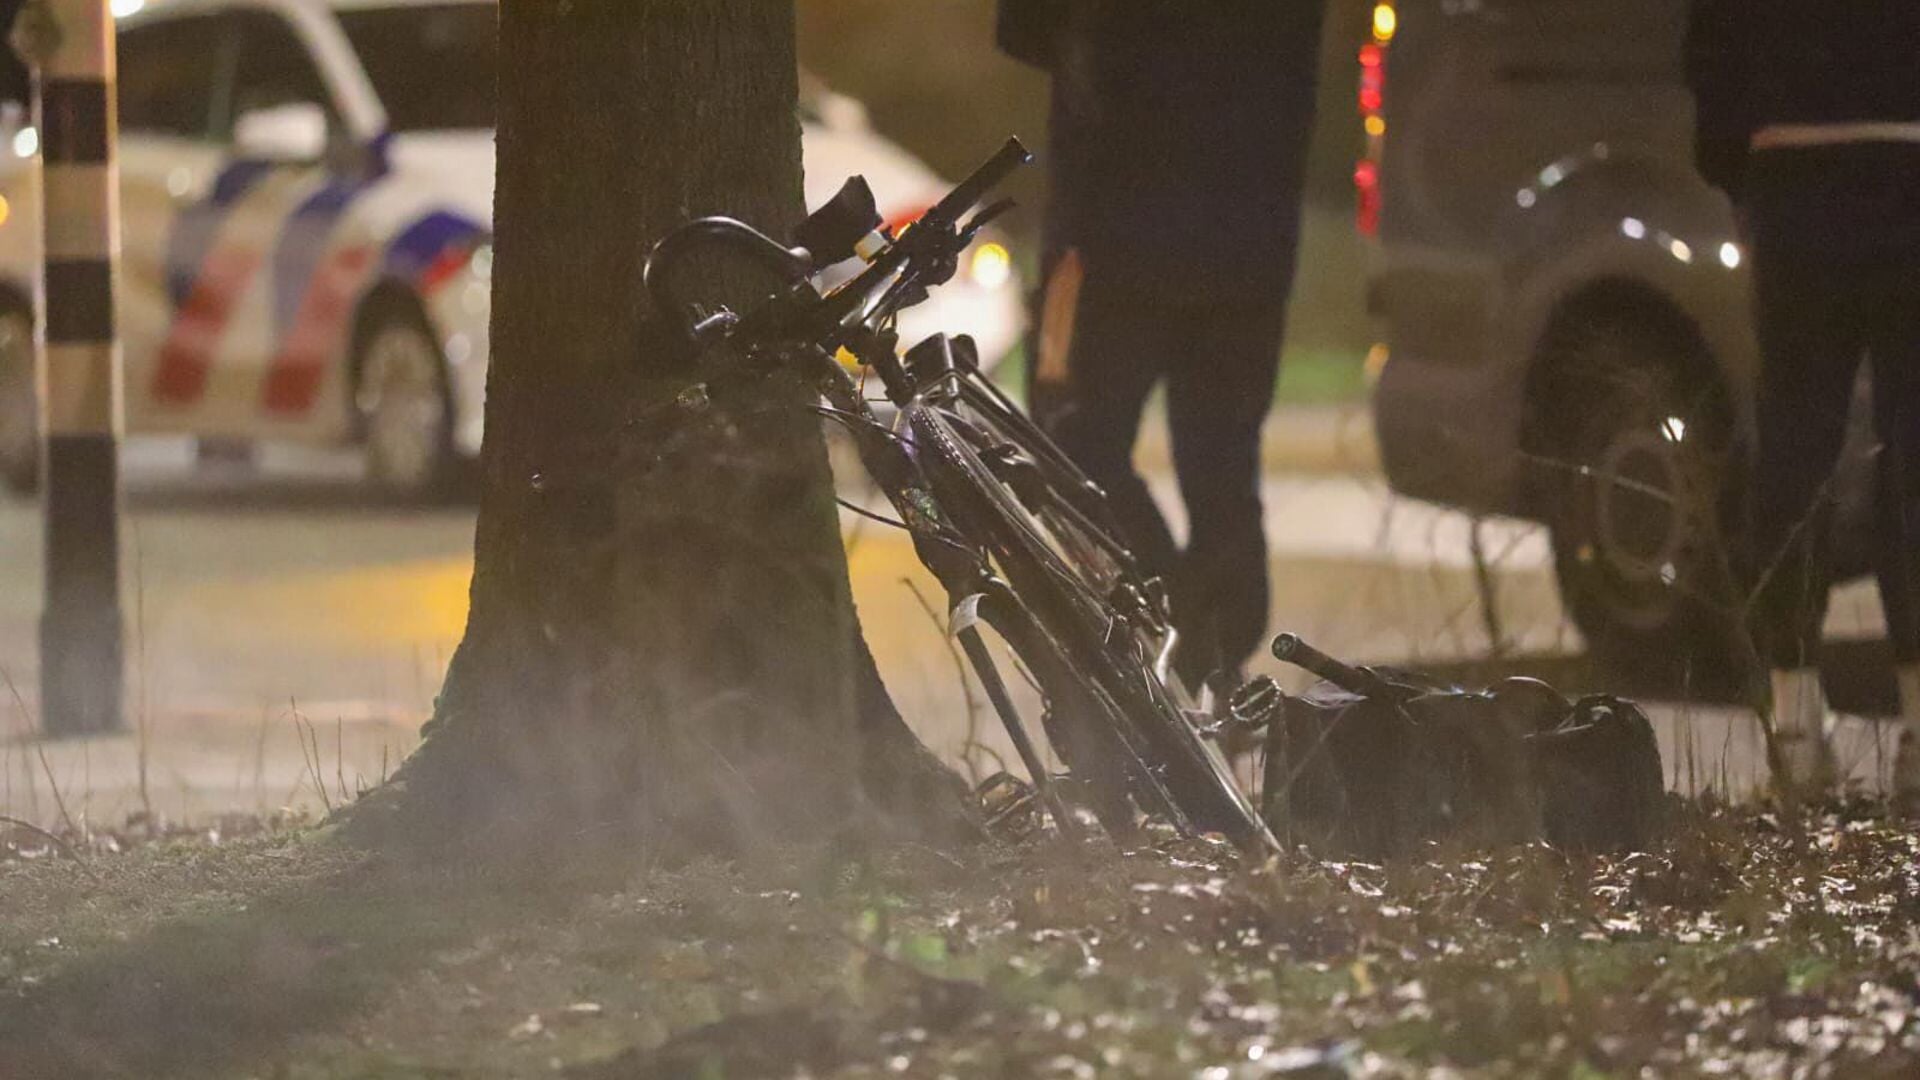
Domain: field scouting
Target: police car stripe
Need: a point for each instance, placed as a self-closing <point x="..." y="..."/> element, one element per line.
<point x="303" y="247"/>
<point x="197" y="228"/>
<point x="186" y="359"/>
<point x="427" y="241"/>
<point x="316" y="336"/>
<point x="425" y="255"/>
<point x="314" y="283"/>
<point x="236" y="218"/>
<point x="322" y="285"/>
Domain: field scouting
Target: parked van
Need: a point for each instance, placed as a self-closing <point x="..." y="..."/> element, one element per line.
<point x="1565" y="306"/>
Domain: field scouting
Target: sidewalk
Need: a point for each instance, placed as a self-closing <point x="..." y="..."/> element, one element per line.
<point x="283" y="644"/>
<point x="1314" y="440"/>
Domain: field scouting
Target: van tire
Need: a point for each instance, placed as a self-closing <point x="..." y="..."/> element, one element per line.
<point x="1626" y="408"/>
<point x="19" y="402"/>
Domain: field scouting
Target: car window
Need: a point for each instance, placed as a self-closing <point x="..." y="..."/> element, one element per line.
<point x="432" y="64"/>
<point x="168" y="74"/>
<point x="274" y="67"/>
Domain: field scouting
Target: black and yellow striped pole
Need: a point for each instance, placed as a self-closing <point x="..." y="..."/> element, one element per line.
<point x="80" y="375"/>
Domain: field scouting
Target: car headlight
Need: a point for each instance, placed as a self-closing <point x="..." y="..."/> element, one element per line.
<point x="991" y="267"/>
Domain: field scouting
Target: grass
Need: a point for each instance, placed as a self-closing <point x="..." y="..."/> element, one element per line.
<point x="1310" y="376"/>
<point x="1745" y="943"/>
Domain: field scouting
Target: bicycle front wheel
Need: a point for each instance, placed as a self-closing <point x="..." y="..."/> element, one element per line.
<point x="1176" y="764"/>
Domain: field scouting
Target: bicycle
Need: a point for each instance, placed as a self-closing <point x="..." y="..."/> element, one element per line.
<point x="1021" y="541"/>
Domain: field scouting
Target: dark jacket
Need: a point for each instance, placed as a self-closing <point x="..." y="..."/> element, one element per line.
<point x="1755" y="65"/>
<point x="1178" y="136"/>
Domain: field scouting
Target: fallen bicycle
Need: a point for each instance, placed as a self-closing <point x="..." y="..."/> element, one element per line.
<point x="1026" y="549"/>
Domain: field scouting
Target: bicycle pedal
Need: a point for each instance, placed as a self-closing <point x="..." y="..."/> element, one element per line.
<point x="1254" y="705"/>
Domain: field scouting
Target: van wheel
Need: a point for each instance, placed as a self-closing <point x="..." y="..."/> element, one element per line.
<point x="402" y="408"/>
<point x="19" y="403"/>
<point x="1639" y="499"/>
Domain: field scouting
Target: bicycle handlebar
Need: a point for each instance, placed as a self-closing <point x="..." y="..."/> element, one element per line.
<point x="1011" y="155"/>
<point x="1290" y="648"/>
<point x="936" y="236"/>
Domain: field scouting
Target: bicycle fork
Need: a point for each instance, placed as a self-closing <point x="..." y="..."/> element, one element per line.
<point x="962" y="569"/>
<point x="966" y="623"/>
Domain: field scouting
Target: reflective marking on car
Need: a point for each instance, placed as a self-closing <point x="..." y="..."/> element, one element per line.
<point x="303" y="246"/>
<point x="432" y="250"/>
<point x="315" y="276"/>
<point x="302" y="354"/>
<point x="197" y="226"/>
<point x="218" y="273"/>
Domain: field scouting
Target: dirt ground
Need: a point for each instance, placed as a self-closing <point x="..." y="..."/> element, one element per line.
<point x="1745" y="943"/>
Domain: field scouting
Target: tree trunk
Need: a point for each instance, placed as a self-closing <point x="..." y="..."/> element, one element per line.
<point x="661" y="639"/>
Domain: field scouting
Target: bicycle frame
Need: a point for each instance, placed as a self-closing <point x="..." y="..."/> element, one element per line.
<point x="1061" y="624"/>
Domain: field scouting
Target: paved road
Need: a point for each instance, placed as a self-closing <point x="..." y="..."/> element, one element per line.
<point x="288" y="636"/>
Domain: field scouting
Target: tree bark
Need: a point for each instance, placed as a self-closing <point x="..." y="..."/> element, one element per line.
<point x="661" y="640"/>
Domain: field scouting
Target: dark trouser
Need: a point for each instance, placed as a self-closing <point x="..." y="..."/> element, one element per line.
<point x="1219" y="363"/>
<point x="1818" y="314"/>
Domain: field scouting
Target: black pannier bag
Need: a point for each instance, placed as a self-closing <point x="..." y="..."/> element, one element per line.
<point x="1372" y="761"/>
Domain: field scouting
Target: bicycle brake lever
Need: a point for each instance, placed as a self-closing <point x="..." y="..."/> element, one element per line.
<point x="985" y="217"/>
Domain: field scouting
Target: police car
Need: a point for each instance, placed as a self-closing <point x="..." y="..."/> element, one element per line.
<point x="306" y="229"/>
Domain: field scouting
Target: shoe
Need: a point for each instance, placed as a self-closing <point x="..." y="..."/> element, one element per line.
<point x="1800" y="725"/>
<point x="1906" y="759"/>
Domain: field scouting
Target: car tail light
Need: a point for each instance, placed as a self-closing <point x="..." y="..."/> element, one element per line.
<point x="1366" y="204"/>
<point x="1373" y="121"/>
<point x="1372" y="78"/>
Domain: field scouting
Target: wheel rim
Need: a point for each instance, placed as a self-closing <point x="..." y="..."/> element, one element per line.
<point x="19" y="405"/>
<point x="1647" y="510"/>
<point x="403" y="408"/>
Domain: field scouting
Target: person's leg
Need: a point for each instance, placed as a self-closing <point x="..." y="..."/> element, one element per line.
<point x="1114" y="353"/>
<point x="1894" y="346"/>
<point x="1810" y="344"/>
<point x="1219" y="391"/>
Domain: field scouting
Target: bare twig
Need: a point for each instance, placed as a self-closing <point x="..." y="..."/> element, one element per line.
<point x="960" y="672"/>
<point x="260" y="757"/>
<point x="1489" y="594"/>
<point x="142" y="717"/>
<point x="340" y="759"/>
<point x="309" y="740"/>
<point x="59" y="801"/>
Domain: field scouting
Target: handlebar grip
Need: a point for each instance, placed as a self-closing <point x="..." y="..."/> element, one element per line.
<point x="1011" y="155"/>
<point x="1291" y="649"/>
